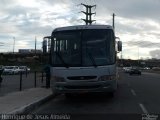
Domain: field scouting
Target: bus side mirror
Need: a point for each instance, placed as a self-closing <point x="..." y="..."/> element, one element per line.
<point x="119" y="45"/>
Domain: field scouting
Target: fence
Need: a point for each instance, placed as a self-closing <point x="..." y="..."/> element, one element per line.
<point x="21" y="81"/>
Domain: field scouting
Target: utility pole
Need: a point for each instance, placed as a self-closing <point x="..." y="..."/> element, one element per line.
<point x="88" y="14"/>
<point x="138" y="56"/>
<point x="113" y="22"/>
<point x="13" y="44"/>
<point x="35" y="45"/>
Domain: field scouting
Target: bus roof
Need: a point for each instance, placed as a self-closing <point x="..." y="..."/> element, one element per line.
<point x="80" y="27"/>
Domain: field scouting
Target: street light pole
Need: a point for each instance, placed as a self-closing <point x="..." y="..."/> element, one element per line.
<point x="35" y="45"/>
<point x="138" y="56"/>
<point x="13" y="44"/>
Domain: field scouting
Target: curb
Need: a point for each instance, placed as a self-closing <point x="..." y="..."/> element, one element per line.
<point x="28" y="108"/>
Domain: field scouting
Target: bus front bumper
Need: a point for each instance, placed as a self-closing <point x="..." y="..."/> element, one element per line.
<point x="88" y="87"/>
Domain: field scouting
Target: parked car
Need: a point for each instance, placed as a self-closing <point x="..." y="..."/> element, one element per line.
<point x="135" y="71"/>
<point x="24" y="69"/>
<point x="127" y="69"/>
<point x="156" y="68"/>
<point x="11" y="70"/>
<point x="146" y="68"/>
<point x="28" y="69"/>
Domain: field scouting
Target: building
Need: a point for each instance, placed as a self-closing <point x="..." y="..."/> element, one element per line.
<point x="24" y="51"/>
<point x="28" y="51"/>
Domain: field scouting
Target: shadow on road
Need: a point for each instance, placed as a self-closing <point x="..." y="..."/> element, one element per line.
<point x="88" y="97"/>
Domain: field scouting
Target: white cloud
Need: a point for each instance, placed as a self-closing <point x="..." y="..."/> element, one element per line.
<point x="155" y="53"/>
<point x="28" y="3"/>
<point x="135" y="21"/>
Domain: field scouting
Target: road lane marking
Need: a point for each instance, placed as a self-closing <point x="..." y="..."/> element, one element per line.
<point x="143" y="108"/>
<point x="133" y="92"/>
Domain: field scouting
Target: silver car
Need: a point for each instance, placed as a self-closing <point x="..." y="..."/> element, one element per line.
<point x="11" y="70"/>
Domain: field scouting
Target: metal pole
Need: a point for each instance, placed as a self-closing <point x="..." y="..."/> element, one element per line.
<point x="42" y="77"/>
<point x="113" y="22"/>
<point x="13" y="44"/>
<point x="20" y="88"/>
<point x="47" y="80"/>
<point x="35" y="46"/>
<point x="86" y="15"/>
<point x="26" y="72"/>
<point x="138" y="56"/>
<point x="35" y="81"/>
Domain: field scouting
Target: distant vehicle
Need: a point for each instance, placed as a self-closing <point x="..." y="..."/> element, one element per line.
<point x="146" y="68"/>
<point x="156" y="68"/>
<point x="11" y="70"/>
<point x="24" y="69"/>
<point x="28" y="69"/>
<point x="127" y="69"/>
<point x="135" y="71"/>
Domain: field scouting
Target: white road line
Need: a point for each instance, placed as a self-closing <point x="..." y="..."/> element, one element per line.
<point x="143" y="108"/>
<point x="133" y="92"/>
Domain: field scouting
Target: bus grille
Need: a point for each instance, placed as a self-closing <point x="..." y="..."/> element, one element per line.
<point x="82" y="87"/>
<point x="81" y="77"/>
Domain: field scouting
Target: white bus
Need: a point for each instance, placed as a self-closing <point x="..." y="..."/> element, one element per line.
<point x="83" y="59"/>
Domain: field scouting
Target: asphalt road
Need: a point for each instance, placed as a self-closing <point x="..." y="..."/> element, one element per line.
<point x="136" y="95"/>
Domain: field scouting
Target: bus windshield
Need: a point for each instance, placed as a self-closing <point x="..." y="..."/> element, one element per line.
<point x="83" y="48"/>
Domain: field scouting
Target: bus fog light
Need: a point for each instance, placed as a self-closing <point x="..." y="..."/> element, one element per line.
<point x="107" y="77"/>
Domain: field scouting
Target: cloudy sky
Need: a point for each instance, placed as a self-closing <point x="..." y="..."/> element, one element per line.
<point x="137" y="22"/>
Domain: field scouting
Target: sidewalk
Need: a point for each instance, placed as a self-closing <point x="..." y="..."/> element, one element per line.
<point x="11" y="83"/>
<point x="24" y="101"/>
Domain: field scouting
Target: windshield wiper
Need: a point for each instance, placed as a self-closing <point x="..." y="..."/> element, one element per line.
<point x="66" y="65"/>
<point x="92" y="59"/>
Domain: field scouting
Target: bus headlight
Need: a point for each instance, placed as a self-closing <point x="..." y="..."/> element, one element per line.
<point x="58" y="79"/>
<point x="107" y="77"/>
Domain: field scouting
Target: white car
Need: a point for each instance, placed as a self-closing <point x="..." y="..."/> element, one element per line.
<point x="127" y="69"/>
<point x="11" y="70"/>
<point x="24" y="69"/>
